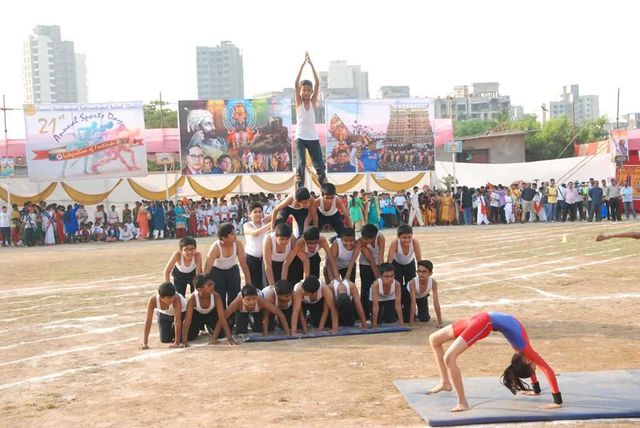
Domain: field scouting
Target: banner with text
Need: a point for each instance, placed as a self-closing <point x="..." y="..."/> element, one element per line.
<point x="237" y="136"/>
<point x="85" y="141"/>
<point x="380" y="135"/>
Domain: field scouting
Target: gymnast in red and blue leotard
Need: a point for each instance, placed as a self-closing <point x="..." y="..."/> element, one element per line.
<point x="469" y="331"/>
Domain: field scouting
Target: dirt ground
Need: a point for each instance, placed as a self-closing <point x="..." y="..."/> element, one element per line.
<point x="73" y="318"/>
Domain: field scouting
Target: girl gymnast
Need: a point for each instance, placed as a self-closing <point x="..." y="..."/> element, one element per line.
<point x="465" y="333"/>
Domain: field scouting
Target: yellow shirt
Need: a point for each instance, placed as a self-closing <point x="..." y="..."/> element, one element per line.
<point x="552" y="194"/>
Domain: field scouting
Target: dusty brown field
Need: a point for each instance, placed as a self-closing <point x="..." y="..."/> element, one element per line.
<point x="73" y="316"/>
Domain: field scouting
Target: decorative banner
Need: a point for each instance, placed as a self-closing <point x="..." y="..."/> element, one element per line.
<point x="630" y="174"/>
<point x="85" y="141"/>
<point x="380" y="135"/>
<point x="236" y="136"/>
<point x="620" y="149"/>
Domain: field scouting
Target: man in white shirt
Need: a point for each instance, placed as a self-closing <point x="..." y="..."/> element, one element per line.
<point x="414" y="210"/>
<point x="112" y="216"/>
<point x="5" y="226"/>
<point x="400" y="202"/>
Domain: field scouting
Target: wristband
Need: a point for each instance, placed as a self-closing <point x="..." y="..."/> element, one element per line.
<point x="557" y="397"/>
<point x="536" y="387"/>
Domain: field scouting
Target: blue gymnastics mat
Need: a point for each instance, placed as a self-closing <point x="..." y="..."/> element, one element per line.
<point x="586" y="395"/>
<point x="342" y="331"/>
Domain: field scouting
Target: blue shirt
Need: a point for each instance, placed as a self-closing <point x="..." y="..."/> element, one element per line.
<point x="627" y="194"/>
<point x="370" y="160"/>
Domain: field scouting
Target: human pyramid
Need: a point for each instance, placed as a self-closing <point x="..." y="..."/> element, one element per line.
<point x="286" y="289"/>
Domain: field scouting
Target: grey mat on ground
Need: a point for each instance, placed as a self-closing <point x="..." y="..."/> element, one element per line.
<point x="342" y="331"/>
<point x="586" y="395"/>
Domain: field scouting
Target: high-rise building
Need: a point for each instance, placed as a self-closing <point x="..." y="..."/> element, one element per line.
<point x="220" y="71"/>
<point x="53" y="72"/>
<point x="583" y="107"/>
<point x="345" y="81"/>
<point x="395" y="92"/>
<point x="480" y="101"/>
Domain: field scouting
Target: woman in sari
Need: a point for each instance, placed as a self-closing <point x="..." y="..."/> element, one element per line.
<point x="143" y="222"/>
<point x="374" y="209"/>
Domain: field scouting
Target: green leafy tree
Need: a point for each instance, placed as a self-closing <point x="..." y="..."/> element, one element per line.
<point x="468" y="128"/>
<point x="152" y="115"/>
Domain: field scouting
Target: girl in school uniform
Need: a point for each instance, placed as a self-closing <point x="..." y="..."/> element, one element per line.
<point x="223" y="259"/>
<point x="184" y="265"/>
<point x="403" y="253"/>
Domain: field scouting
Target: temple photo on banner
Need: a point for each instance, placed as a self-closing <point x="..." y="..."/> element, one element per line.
<point x="85" y="141"/>
<point x="380" y="135"/>
<point x="238" y="136"/>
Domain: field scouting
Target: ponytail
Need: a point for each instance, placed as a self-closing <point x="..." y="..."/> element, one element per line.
<point x="512" y="376"/>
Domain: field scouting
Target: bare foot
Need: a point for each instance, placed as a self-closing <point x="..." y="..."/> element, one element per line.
<point x="460" y="408"/>
<point x="439" y="388"/>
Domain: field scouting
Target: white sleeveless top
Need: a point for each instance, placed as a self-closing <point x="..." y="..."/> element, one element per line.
<point x="331" y="211"/>
<point x="381" y="296"/>
<point x="336" y="284"/>
<point x="415" y="283"/>
<point x="271" y="290"/>
<point x="306" y="127"/>
<point x="184" y="268"/>
<point x="275" y="256"/>
<point x="306" y="299"/>
<point x="171" y="310"/>
<point x="223" y="262"/>
<point x="255" y="310"/>
<point x="374" y="253"/>
<point x="311" y="253"/>
<point x="344" y="255"/>
<point x="253" y="244"/>
<point x="402" y="258"/>
<point x="202" y="310"/>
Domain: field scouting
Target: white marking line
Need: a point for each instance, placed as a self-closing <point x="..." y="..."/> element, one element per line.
<point x="87" y="299"/>
<point x="546" y="293"/>
<point x="61" y="288"/>
<point x="489" y="304"/>
<point x="52" y="376"/>
<point x="485" y="265"/>
<point x="546" y="272"/>
<point x="67" y="351"/>
<point x="103" y="330"/>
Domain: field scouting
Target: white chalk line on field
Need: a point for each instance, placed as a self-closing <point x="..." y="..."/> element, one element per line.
<point x="102" y="330"/>
<point x="67" y="351"/>
<point x="85" y="299"/>
<point x="61" y="288"/>
<point x="500" y="302"/>
<point x="143" y="356"/>
<point x="516" y="268"/>
<point x="546" y="272"/>
<point x="546" y="293"/>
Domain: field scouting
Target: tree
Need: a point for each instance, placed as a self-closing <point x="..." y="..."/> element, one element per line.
<point x="152" y="115"/>
<point x="468" y="128"/>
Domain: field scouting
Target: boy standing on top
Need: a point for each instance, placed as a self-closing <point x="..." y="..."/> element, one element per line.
<point x="306" y="135"/>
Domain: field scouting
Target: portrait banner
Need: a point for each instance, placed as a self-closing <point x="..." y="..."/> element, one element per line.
<point x="236" y="136"/>
<point x="85" y="141"/>
<point x="380" y="135"/>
